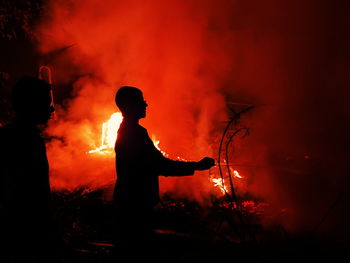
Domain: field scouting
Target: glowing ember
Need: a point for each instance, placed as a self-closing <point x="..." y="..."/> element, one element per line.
<point x="156" y="144"/>
<point x="220" y="183"/>
<point x="236" y="174"/>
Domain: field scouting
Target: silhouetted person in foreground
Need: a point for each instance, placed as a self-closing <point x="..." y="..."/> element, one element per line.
<point x="27" y="226"/>
<point x="138" y="165"/>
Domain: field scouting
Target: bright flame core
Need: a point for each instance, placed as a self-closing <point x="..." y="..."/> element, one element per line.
<point x="110" y="129"/>
<point x="109" y="134"/>
<point x="221" y="184"/>
<point x="236" y="174"/>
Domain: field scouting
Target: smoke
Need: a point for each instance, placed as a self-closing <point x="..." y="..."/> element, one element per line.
<point x="190" y="58"/>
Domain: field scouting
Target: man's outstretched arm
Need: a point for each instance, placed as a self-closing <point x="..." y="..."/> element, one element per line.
<point x="162" y="165"/>
<point x="168" y="167"/>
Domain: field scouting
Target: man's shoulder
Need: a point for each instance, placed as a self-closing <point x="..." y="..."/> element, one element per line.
<point x="131" y="135"/>
<point x="135" y="129"/>
<point x="143" y="129"/>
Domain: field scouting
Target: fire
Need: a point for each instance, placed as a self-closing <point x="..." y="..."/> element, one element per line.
<point x="221" y="184"/>
<point x="110" y="129"/>
<point x="110" y="133"/>
<point x="236" y="174"/>
<point x="156" y="144"/>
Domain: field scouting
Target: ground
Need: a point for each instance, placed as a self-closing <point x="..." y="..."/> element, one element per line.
<point x="186" y="232"/>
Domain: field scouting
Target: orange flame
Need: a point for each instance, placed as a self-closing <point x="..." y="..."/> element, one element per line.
<point x="220" y="183"/>
<point x="156" y="144"/>
<point x="110" y="133"/>
<point x="236" y="174"/>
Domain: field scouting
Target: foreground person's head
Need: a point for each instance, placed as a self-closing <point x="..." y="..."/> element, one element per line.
<point x="131" y="103"/>
<point x="31" y="99"/>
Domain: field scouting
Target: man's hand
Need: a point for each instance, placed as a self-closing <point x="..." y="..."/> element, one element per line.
<point x="205" y="164"/>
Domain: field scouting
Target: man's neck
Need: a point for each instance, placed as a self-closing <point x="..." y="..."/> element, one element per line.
<point x="131" y="120"/>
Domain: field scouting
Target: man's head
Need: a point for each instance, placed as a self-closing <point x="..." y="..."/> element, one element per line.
<point x="131" y="103"/>
<point x="31" y="99"/>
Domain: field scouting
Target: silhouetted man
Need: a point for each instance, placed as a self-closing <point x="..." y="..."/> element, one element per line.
<point x="138" y="164"/>
<point x="27" y="223"/>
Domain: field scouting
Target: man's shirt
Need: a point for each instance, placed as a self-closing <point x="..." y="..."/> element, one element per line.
<point x="138" y="165"/>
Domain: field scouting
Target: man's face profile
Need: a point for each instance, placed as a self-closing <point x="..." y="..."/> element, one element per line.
<point x="139" y="106"/>
<point x="42" y="111"/>
<point x="131" y="102"/>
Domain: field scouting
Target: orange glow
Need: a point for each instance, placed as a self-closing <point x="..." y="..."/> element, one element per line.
<point x="181" y="81"/>
<point x="109" y="134"/>
<point x="236" y="174"/>
<point x="220" y="183"/>
<point x="156" y="144"/>
<point x="230" y="51"/>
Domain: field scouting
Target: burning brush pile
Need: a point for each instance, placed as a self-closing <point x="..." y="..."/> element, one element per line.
<point x="214" y="205"/>
<point x="201" y="71"/>
<point x="230" y="214"/>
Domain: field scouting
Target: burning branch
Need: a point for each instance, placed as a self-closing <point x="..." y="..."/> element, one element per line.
<point x="235" y="118"/>
<point x="233" y="197"/>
